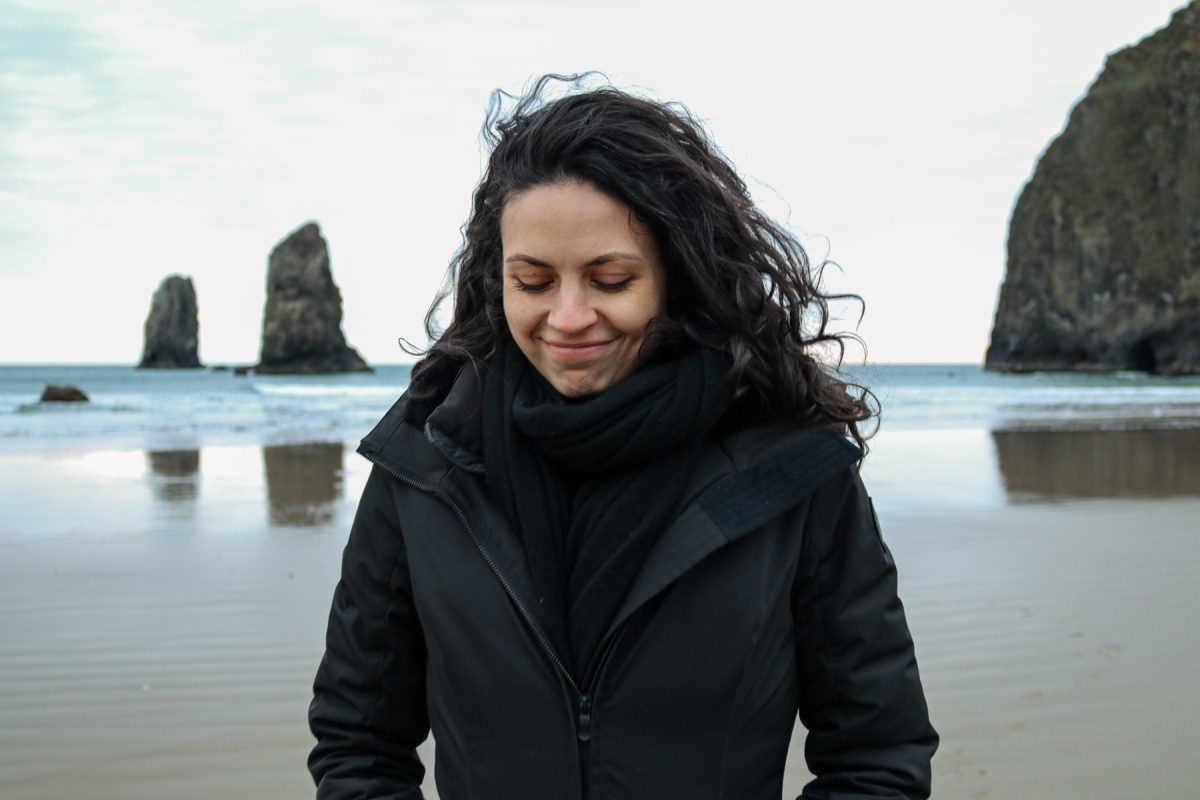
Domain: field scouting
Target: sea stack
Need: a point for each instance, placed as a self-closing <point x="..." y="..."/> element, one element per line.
<point x="172" y="326"/>
<point x="302" y="321"/>
<point x="1104" y="241"/>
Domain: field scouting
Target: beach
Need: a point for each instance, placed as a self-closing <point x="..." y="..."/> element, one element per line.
<point x="165" y="608"/>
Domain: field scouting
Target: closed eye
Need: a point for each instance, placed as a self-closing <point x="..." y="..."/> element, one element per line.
<point x="607" y="286"/>
<point x="531" y="287"/>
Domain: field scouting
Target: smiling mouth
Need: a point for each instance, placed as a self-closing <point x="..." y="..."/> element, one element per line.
<point x="572" y="351"/>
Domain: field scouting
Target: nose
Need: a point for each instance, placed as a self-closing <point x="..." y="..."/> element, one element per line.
<point x="572" y="312"/>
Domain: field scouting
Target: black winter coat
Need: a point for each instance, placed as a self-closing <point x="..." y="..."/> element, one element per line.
<point x="771" y="592"/>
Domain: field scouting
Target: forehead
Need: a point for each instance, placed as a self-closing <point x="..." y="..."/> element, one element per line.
<point x="568" y="212"/>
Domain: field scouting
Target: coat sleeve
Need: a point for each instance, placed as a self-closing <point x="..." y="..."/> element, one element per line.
<point x="869" y="734"/>
<point x="368" y="711"/>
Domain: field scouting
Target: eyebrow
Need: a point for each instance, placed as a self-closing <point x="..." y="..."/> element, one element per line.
<point x="603" y="258"/>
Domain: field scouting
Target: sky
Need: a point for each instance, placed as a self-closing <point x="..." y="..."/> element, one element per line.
<point x="142" y="138"/>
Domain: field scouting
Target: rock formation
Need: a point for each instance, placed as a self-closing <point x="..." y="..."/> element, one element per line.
<point x="302" y="321"/>
<point x="171" y="333"/>
<point x="63" y="393"/>
<point x="1104" y="242"/>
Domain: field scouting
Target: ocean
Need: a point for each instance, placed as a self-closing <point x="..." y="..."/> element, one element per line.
<point x="173" y="409"/>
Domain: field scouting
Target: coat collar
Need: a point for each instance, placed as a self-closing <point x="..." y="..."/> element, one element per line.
<point x="424" y="450"/>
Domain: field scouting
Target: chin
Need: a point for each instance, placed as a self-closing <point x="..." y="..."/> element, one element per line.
<point x="576" y="391"/>
<point x="577" y="387"/>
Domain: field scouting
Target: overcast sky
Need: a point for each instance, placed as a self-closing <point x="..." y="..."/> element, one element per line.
<point x="149" y="137"/>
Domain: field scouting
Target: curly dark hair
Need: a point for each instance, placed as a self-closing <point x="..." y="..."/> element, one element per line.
<point x="736" y="281"/>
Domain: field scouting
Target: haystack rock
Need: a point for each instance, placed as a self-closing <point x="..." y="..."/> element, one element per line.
<point x="1104" y="242"/>
<point x="302" y="322"/>
<point x="172" y="326"/>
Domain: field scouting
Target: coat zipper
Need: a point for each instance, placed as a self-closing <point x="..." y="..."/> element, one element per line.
<point x="583" y="727"/>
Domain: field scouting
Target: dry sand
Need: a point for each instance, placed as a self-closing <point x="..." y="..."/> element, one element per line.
<point x="164" y="613"/>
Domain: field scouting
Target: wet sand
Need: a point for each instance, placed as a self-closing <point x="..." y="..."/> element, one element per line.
<point x="165" y="612"/>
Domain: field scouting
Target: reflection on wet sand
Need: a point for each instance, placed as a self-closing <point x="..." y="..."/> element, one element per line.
<point x="304" y="481"/>
<point x="1047" y="465"/>
<point x="174" y="474"/>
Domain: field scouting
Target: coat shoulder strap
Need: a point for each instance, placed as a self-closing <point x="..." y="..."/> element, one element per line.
<point x="784" y="476"/>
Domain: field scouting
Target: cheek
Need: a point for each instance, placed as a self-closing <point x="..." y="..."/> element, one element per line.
<point x="634" y="317"/>
<point x="506" y="305"/>
<point x="516" y="312"/>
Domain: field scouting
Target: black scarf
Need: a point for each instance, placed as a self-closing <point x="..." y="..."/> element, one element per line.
<point x="590" y="484"/>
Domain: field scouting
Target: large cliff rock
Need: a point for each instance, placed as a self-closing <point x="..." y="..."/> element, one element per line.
<point x="1104" y="242"/>
<point x="302" y="322"/>
<point x="172" y="326"/>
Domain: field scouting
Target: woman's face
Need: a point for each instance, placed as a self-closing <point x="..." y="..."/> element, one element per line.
<point x="582" y="279"/>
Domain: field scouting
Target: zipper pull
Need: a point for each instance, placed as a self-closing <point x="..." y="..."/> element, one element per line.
<point x="585" y="718"/>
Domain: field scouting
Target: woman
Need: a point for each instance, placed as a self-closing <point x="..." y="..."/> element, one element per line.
<point x="614" y="537"/>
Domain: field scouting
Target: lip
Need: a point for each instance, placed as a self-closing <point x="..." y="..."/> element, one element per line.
<point x="576" y="351"/>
